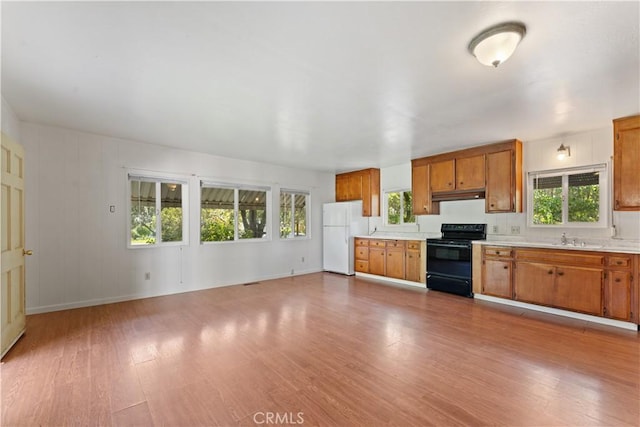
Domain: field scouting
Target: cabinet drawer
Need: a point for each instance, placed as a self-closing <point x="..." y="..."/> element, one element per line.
<point x="413" y="245"/>
<point x="362" y="242"/>
<point x="619" y="261"/>
<point x="559" y="256"/>
<point x="362" y="253"/>
<point x="395" y="244"/>
<point x="498" y="251"/>
<point x="378" y="243"/>
<point x="362" y="266"/>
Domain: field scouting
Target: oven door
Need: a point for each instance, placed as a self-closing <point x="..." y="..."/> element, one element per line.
<point x="449" y="258"/>
<point x="450" y="284"/>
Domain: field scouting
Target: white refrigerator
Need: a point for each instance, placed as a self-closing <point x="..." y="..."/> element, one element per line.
<point x="340" y="222"/>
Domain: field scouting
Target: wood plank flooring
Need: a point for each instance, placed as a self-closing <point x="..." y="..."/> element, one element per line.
<point x="323" y="349"/>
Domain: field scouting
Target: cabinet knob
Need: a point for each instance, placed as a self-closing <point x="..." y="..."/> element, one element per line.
<point x="492" y="205"/>
<point x="449" y="184"/>
<point x="505" y="267"/>
<point x="619" y="262"/>
<point x="550" y="272"/>
<point x="497" y="252"/>
<point x="461" y="182"/>
<point x="618" y="280"/>
<point x="560" y="273"/>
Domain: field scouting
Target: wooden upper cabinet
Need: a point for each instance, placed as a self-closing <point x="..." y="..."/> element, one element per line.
<point x="342" y="188"/>
<point x="422" y="204"/>
<point x="504" y="180"/>
<point x="442" y="176"/>
<point x="360" y="185"/>
<point x="493" y="171"/>
<point x="470" y="173"/>
<point x="626" y="158"/>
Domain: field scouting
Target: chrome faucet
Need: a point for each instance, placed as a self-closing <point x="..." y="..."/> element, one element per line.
<point x="563" y="239"/>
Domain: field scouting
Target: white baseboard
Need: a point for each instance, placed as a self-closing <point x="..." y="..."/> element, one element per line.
<point x="580" y="316"/>
<point x="131" y="297"/>
<point x="392" y="280"/>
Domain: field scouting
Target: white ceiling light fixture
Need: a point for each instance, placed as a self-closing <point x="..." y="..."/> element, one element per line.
<point x="496" y="44"/>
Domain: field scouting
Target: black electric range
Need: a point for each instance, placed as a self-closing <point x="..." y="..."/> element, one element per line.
<point x="449" y="258"/>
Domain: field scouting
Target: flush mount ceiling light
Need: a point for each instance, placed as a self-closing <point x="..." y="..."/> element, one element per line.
<point x="496" y="44"/>
<point x="563" y="152"/>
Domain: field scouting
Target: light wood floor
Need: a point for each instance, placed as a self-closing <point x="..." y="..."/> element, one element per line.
<point x="341" y="351"/>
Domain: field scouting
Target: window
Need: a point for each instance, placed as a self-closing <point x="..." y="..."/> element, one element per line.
<point x="399" y="207"/>
<point x="568" y="197"/>
<point x="293" y="214"/>
<point x="157" y="211"/>
<point x="230" y="213"/>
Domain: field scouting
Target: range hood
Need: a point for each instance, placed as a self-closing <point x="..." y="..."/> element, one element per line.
<point x="458" y="195"/>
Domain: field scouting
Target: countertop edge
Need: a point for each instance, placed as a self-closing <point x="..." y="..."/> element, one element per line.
<point x="542" y="245"/>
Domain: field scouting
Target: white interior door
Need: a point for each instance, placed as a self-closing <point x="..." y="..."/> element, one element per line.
<point x="12" y="297"/>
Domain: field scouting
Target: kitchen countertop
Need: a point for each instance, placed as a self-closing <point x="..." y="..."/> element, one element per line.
<point x="598" y="247"/>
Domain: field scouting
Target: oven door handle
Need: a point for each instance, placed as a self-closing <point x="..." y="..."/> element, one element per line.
<point x="447" y="245"/>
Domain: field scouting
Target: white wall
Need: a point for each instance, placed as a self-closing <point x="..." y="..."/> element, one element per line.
<point x="80" y="254"/>
<point x="587" y="148"/>
<point x="10" y="122"/>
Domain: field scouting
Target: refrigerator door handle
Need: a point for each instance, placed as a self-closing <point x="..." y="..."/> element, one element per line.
<point x="346" y="228"/>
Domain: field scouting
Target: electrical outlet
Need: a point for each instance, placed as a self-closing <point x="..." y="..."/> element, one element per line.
<point x="302" y="259"/>
<point x="515" y="229"/>
<point x="496" y="229"/>
<point x="147" y="276"/>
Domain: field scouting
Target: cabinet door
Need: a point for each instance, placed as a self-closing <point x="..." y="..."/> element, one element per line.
<point x="420" y="192"/>
<point x="470" y="173"/>
<point x="499" y="195"/>
<point x="362" y="252"/>
<point x="395" y="263"/>
<point x="579" y="289"/>
<point x="617" y="295"/>
<point x="626" y="158"/>
<point x="342" y="188"/>
<point x="442" y="176"/>
<point x="534" y="283"/>
<point x="496" y="278"/>
<point x="355" y="186"/>
<point x="362" y="266"/>
<point x="365" y="192"/>
<point x="377" y="261"/>
<point x="413" y="263"/>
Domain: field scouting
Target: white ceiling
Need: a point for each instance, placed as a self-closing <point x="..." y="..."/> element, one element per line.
<point x="328" y="86"/>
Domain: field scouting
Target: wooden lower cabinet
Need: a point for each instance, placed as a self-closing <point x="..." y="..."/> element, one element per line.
<point x="377" y="260"/>
<point x="617" y="295"/>
<point x="534" y="283"/>
<point x="619" y="292"/>
<point x="595" y="283"/>
<point x="362" y="255"/>
<point x="395" y="263"/>
<point x="413" y="265"/>
<point x="398" y="259"/>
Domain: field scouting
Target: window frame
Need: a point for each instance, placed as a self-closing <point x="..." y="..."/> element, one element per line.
<point x="159" y="179"/>
<point x="236" y="210"/>
<point x="385" y="198"/>
<point x="294" y="193"/>
<point x="605" y="192"/>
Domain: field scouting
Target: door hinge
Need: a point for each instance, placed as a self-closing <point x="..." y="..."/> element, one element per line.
<point x="605" y="274"/>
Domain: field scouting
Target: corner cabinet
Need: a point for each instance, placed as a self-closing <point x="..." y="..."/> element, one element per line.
<point x="492" y="171"/>
<point x="626" y="158"/>
<point x="360" y="185"/>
